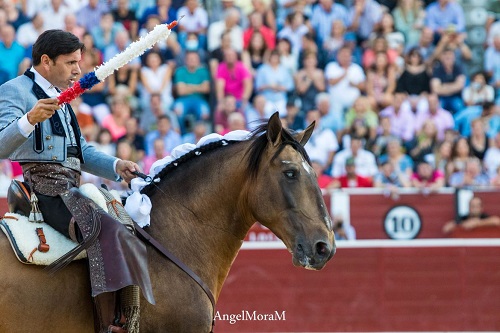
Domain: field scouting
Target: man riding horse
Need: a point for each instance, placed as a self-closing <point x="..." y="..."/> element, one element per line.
<point x="45" y="138"/>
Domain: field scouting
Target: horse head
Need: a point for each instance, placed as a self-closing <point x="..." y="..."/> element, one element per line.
<point x="286" y="198"/>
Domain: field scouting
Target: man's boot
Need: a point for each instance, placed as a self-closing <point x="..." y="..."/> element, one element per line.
<point x="105" y="314"/>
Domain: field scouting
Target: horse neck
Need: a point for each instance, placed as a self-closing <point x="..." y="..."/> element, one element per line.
<point x="201" y="214"/>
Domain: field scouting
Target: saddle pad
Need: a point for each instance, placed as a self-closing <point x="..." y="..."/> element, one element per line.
<point x="23" y="239"/>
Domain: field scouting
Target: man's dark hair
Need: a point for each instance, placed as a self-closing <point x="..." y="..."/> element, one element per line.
<point x="55" y="43"/>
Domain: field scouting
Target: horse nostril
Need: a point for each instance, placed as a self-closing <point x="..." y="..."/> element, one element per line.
<point x="300" y="249"/>
<point x="322" y="248"/>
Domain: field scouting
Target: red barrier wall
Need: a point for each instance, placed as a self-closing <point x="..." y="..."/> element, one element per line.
<point x="367" y="290"/>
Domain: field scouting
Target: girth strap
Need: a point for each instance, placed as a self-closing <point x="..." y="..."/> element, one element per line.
<point x="147" y="237"/>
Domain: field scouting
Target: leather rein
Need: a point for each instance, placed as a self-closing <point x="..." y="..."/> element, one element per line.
<point x="170" y="256"/>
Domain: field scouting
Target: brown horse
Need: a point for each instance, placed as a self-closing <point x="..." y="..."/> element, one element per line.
<point x="203" y="206"/>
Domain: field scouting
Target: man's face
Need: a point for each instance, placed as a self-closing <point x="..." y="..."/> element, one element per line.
<point x="475" y="207"/>
<point x="64" y="70"/>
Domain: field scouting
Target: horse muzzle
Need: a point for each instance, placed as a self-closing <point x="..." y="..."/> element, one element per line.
<point x="313" y="256"/>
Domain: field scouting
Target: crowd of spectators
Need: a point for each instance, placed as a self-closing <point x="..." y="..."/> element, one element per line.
<point x="387" y="82"/>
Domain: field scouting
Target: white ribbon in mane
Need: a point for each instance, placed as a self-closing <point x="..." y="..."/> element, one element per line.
<point x="138" y="205"/>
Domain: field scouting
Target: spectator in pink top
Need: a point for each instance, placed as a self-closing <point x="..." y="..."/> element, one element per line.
<point x="115" y="122"/>
<point x="402" y="117"/>
<point x="233" y="78"/>
<point x="427" y="179"/>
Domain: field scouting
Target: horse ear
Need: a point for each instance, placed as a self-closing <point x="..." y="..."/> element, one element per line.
<point x="274" y="128"/>
<point x="304" y="136"/>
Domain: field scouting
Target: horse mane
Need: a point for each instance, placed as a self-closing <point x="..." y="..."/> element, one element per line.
<point x="254" y="153"/>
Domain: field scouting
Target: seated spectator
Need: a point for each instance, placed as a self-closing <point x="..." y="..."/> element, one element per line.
<point x="295" y="119"/>
<point x="478" y="140"/>
<point x="256" y="54"/>
<point x="155" y="109"/>
<point x="165" y="132"/>
<point x="15" y="16"/>
<point x="125" y="81"/>
<point x="235" y="122"/>
<point x="366" y="166"/>
<point x="409" y="18"/>
<point x="366" y="15"/>
<point x="425" y="46"/>
<point x="492" y="62"/>
<point x="274" y="81"/>
<point x="425" y="141"/>
<point x="11" y="52"/>
<point x="192" y="45"/>
<point x="415" y="79"/>
<point x="95" y="97"/>
<point x="257" y="24"/>
<point x="309" y="82"/>
<point x="104" y="142"/>
<point x="342" y="230"/>
<point x="377" y="45"/>
<point x="323" y="144"/>
<point x="383" y="137"/>
<point x="361" y="112"/>
<point x="220" y="8"/>
<point x="115" y="122"/>
<point x="402" y="118"/>
<point x="230" y="23"/>
<point x="233" y="78"/>
<point x="287" y="57"/>
<point x="336" y="39"/>
<point x="471" y="177"/>
<point x="217" y="55"/>
<point x="104" y="33"/>
<point x="323" y="15"/>
<point x="427" y="179"/>
<point x="447" y="81"/>
<point x="264" y="8"/>
<point x="478" y="92"/>
<point x="28" y="32"/>
<point x="350" y="178"/>
<point x="126" y="16"/>
<point x="83" y="113"/>
<point x="390" y="178"/>
<point x="476" y="218"/>
<point x="163" y="10"/>
<point x="133" y="137"/>
<point x="54" y="13"/>
<point x="380" y="82"/>
<point x="192" y="84"/>
<point x="156" y="77"/>
<point x="492" y="157"/>
<point x="196" y="20"/>
<point x="487" y="113"/>
<point x="460" y="154"/>
<point x="442" y="14"/>
<point x="395" y="39"/>
<point x="121" y="42"/>
<point x="257" y="112"/>
<point x="158" y="153"/>
<point x="451" y="40"/>
<point x="432" y="110"/>
<point x="71" y="25"/>
<point x="440" y="157"/>
<point x="221" y="117"/>
<point x="200" y="129"/>
<point x="309" y="46"/>
<point x="332" y="118"/>
<point x="89" y="16"/>
<point x="294" y="30"/>
<point x="169" y="48"/>
<point x="324" y="179"/>
<point x="401" y="162"/>
<point x="345" y="80"/>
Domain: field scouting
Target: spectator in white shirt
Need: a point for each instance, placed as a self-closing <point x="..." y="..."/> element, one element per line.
<point x="323" y="143"/>
<point x="28" y="32"/>
<point x="229" y="23"/>
<point x="366" y="165"/>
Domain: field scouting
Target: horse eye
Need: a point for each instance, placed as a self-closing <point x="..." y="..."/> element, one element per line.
<point x="290" y="174"/>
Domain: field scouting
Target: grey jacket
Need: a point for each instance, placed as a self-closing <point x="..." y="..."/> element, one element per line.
<point x="17" y="97"/>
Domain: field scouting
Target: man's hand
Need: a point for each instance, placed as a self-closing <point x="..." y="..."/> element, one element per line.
<point x="43" y="109"/>
<point x="125" y="168"/>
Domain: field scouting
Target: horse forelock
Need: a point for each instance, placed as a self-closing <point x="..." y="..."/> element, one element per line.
<point x="259" y="145"/>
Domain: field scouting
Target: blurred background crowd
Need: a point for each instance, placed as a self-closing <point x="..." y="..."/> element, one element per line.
<point x="405" y="93"/>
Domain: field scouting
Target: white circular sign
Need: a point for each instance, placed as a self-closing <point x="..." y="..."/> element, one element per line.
<point x="402" y="222"/>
